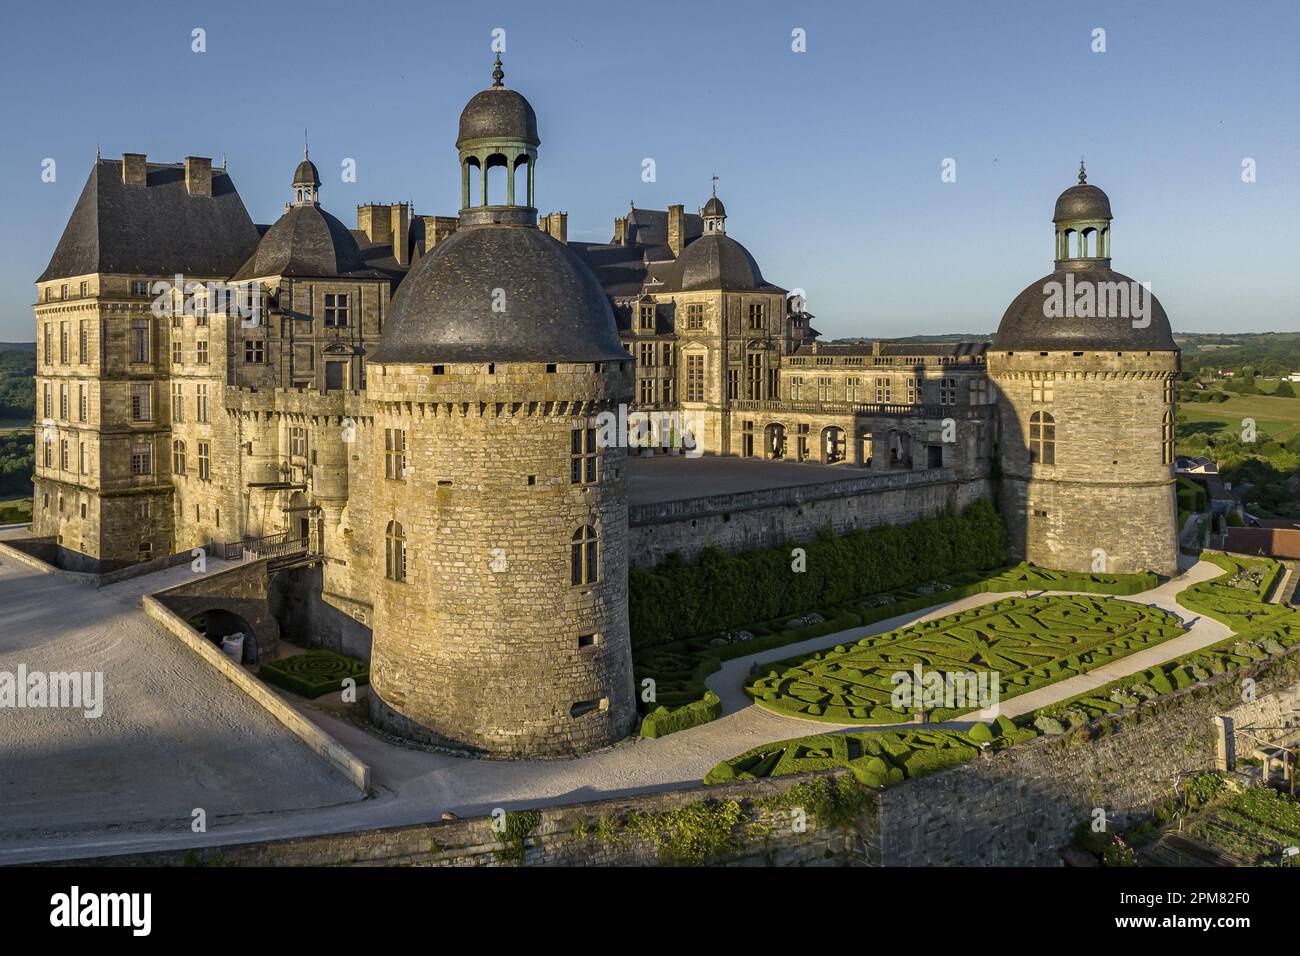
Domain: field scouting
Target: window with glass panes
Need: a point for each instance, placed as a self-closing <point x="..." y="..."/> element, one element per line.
<point x="582" y="456"/>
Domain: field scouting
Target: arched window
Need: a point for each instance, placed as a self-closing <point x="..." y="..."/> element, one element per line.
<point x="1042" y="438"/>
<point x="178" y="457"/>
<point x="582" y="556"/>
<point x="395" y="550"/>
<point x="1167" y="440"/>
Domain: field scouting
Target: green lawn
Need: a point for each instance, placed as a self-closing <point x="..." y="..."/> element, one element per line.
<point x="1021" y="644"/>
<point x="1279" y="418"/>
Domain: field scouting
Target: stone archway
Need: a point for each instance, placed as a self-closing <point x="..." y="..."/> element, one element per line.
<point x="214" y="623"/>
<point x="833" y="446"/>
<point x="774" y="441"/>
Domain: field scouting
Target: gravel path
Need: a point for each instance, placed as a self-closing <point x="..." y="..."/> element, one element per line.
<point x="189" y="737"/>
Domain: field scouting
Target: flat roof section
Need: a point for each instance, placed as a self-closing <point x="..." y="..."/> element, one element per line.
<point x="678" y="477"/>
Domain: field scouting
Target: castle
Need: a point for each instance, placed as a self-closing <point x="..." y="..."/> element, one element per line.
<point x="413" y="402"/>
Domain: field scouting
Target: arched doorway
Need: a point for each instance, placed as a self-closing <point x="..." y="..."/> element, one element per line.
<point x="218" y="623"/>
<point x="833" y="445"/>
<point x="774" y="441"/>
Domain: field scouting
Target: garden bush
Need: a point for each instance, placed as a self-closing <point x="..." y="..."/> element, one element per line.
<point x="661" y="721"/>
<point x="314" y="673"/>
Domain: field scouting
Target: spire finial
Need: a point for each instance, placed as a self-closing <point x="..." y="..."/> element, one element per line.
<point x="96" y="152"/>
<point x="1083" y="173"/>
<point x="498" y="74"/>
<point x="304" y="142"/>
<point x="715" y="185"/>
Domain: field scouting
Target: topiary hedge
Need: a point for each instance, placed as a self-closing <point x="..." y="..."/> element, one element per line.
<point x="314" y="673"/>
<point x="721" y="591"/>
<point x="661" y="721"/>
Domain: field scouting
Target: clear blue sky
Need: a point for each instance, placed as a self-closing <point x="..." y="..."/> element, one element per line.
<point x="829" y="160"/>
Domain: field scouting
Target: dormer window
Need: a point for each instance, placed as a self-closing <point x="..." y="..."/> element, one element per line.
<point x="647" y="318"/>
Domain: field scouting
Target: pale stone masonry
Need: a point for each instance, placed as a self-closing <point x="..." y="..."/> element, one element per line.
<point x="416" y="401"/>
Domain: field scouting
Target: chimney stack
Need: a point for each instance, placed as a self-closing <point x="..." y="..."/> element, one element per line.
<point x="401" y="230"/>
<point x="620" y="231"/>
<point x="376" y="222"/>
<point x="133" y="169"/>
<point x="438" y="228"/>
<point x="556" y="225"/>
<point x="198" y="176"/>
<point x="675" y="229"/>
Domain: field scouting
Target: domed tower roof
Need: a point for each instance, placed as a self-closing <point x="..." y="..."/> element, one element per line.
<point x="306" y="173"/>
<point x="714" y="207"/>
<point x="1084" y="305"/>
<point x="716" y="261"/>
<point x="499" y="289"/>
<point x="498" y="113"/>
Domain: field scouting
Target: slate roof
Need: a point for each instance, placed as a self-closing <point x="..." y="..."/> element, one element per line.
<point x="1084" y="201"/>
<point x="498" y="113"/>
<point x="308" y="242"/>
<point x="555" y="310"/>
<point x="1026" y="325"/>
<point x="154" y="229"/>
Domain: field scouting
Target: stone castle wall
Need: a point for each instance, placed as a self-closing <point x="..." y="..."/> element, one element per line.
<point x="1109" y="494"/>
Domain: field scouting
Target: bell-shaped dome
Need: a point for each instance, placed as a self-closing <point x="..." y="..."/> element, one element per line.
<point x="714" y="207"/>
<point x="500" y="293"/>
<point x="1084" y="201"/>
<point x="498" y="114"/>
<point x="305" y="241"/>
<point x="306" y="174"/>
<point x="716" y="261"/>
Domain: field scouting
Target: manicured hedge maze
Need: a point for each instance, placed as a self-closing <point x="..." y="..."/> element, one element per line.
<point x="314" y="673"/>
<point x="877" y="758"/>
<point x="1029" y="643"/>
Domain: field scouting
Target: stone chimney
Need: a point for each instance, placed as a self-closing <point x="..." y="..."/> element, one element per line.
<point x="133" y="169"/>
<point x="620" y="231"/>
<point x="556" y="225"/>
<point x="375" y="220"/>
<point x="676" y="229"/>
<point x="438" y="228"/>
<point x="198" y="176"/>
<point x="401" y="230"/>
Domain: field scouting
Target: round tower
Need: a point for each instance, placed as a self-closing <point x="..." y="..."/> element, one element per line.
<point x="1085" y="364"/>
<point x="499" y="512"/>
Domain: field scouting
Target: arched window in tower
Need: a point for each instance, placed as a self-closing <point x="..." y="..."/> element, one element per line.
<point x="582" y="556"/>
<point x="178" y="457"/>
<point x="395" y="550"/>
<point x="1042" y="438"/>
<point x="1167" y="439"/>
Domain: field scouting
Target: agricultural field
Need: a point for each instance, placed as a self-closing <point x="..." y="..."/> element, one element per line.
<point x="1278" y="418"/>
<point x="1254" y="826"/>
<point x="1020" y="643"/>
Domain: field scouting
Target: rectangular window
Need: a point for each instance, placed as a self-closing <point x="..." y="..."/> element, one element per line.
<point x="63" y="343"/>
<point x="298" y="442"/>
<point x="334" y="375"/>
<point x="85" y="288"/>
<point x="201" y="307"/>
<point x="695" y="378"/>
<point x="178" y="402"/>
<point x="141" y="404"/>
<point x="83" y="342"/>
<point x="756" y="316"/>
<point x="176" y="352"/>
<point x="647" y="353"/>
<point x="796" y="388"/>
<point x="979" y="391"/>
<point x="63" y="454"/>
<point x="48" y="351"/>
<point x="63" y="291"/>
<point x="47" y="453"/>
<point x="733" y="384"/>
<point x="255" y="351"/>
<point x="178" y="458"/>
<point x="63" y="402"/>
<point x="205" y="461"/>
<point x="947" y="391"/>
<point x="395" y="454"/>
<point x="1040" y="390"/>
<point x="824" y="388"/>
<point x="201" y="352"/>
<point x="201" y="403"/>
<point x="336" y="309"/>
<point x="668" y="354"/>
<point x="582" y="456"/>
<point x="83" y="403"/>
<point x="695" y="316"/>
<point x="85" y="458"/>
<point x="754" y="375"/>
<point x="853" y="389"/>
<point x="139" y="287"/>
<point x="647" y="391"/>
<point x="882" y="391"/>
<point x="139" y="340"/>
<point x="647" y="318"/>
<point x="48" y="405"/>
